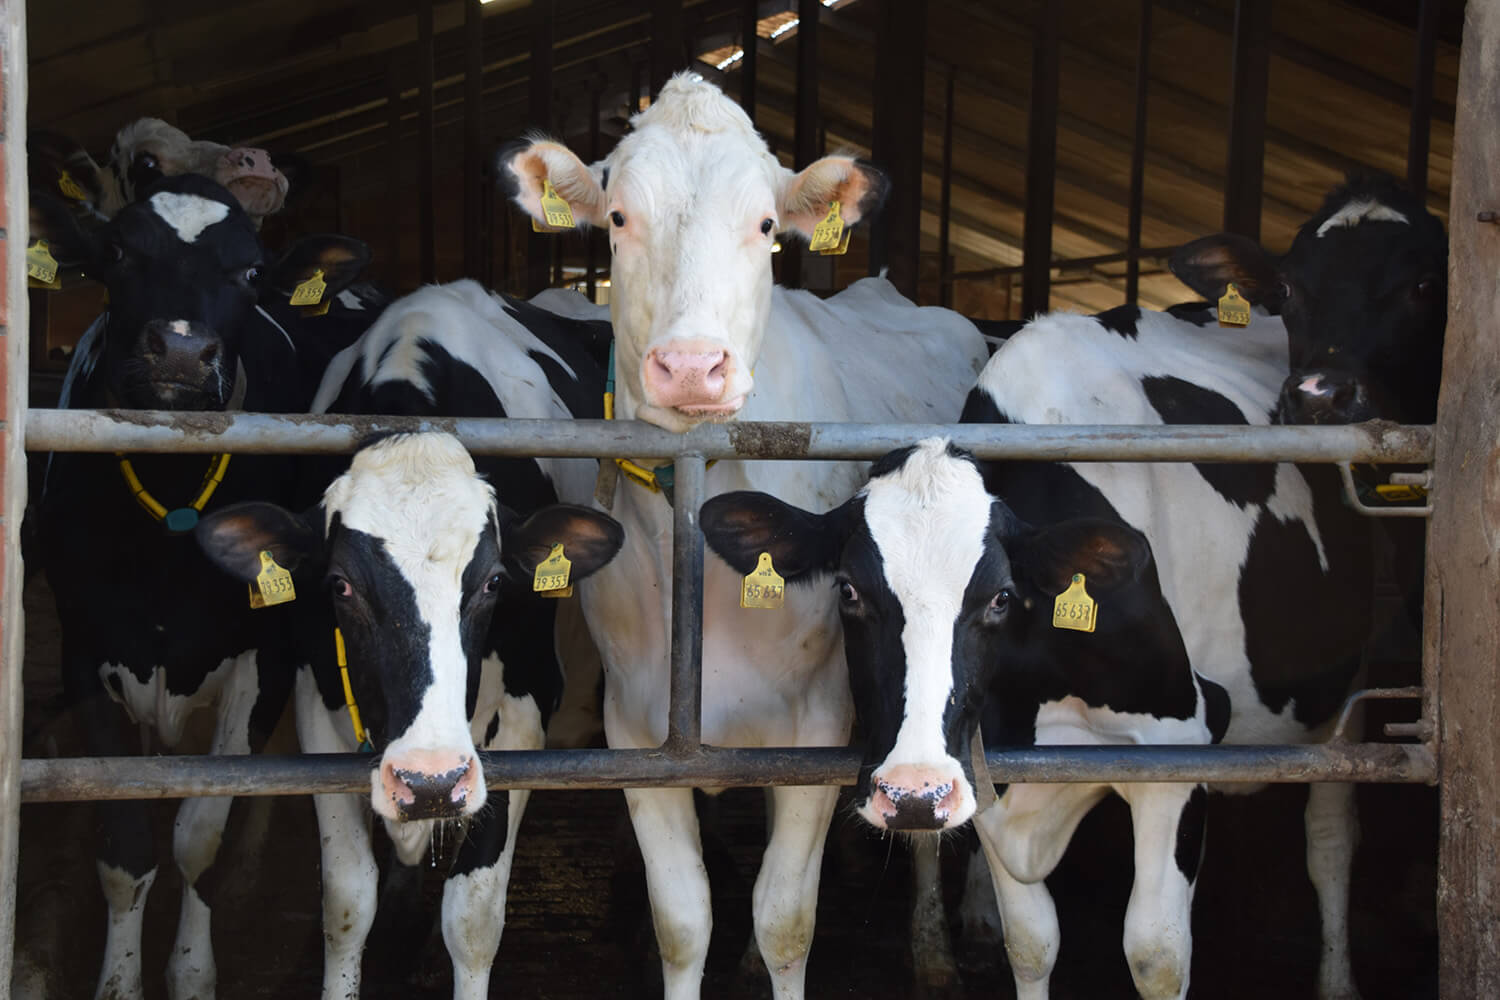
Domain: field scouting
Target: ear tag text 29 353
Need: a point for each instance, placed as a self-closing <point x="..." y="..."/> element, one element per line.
<point x="273" y="584"/>
<point x="557" y="210"/>
<point x="1233" y="309"/>
<point x="551" y="579"/>
<point x="41" y="265"/>
<point x="1074" y="608"/>
<point x="827" y="234"/>
<point x="763" y="587"/>
<point x="310" y="292"/>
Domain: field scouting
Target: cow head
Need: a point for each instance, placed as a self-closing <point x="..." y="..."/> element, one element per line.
<point x="693" y="200"/>
<point x="941" y="586"/>
<point x="1363" y="294"/>
<point x="184" y="269"/>
<point x="414" y="551"/>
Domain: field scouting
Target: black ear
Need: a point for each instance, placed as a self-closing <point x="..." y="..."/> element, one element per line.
<point x="740" y="526"/>
<point x="589" y="539"/>
<point x="58" y="165"/>
<point x="70" y="240"/>
<point x="1208" y="265"/>
<point x="1107" y="553"/>
<point x="234" y="538"/>
<point x="340" y="258"/>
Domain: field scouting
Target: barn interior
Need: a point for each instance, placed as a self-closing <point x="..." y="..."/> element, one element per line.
<point x="1045" y="155"/>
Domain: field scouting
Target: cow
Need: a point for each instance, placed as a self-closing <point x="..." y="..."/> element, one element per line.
<point x="692" y="201"/>
<point x="424" y="560"/>
<point x="184" y="331"/>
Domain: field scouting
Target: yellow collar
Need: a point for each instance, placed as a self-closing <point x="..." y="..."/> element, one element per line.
<point x="360" y="735"/>
<point x="181" y="520"/>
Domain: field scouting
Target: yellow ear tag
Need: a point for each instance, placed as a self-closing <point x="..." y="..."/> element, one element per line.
<point x="827" y="234"/>
<point x="764" y="587"/>
<point x="842" y="248"/>
<point x="1233" y="309"/>
<point x="69" y="187"/>
<point x="1074" y="608"/>
<point x="551" y="579"/>
<point x="318" y="310"/>
<point x="558" y="212"/>
<point x="41" y="265"/>
<point x="310" y="292"/>
<point x="273" y="584"/>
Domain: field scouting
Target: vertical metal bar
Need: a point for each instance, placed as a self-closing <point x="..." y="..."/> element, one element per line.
<point x="473" y="129"/>
<point x="1420" y="130"/>
<point x="1138" y="157"/>
<point x="666" y="42"/>
<point x="539" y="112"/>
<point x="593" y="236"/>
<point x="1250" y="76"/>
<point x="750" y="43"/>
<point x="685" y="721"/>
<point x="805" y="136"/>
<point x="945" y="260"/>
<point x="1041" y="163"/>
<point x="426" y="153"/>
<point x="395" y="159"/>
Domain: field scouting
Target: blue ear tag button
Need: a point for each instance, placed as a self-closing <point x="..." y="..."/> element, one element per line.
<point x="180" y="521"/>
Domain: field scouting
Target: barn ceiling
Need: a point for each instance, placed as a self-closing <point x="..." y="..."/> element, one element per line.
<point x="318" y="77"/>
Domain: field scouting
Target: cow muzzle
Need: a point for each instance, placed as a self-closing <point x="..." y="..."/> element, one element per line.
<point x="183" y="365"/>
<point x="918" y="797"/>
<point x="1323" y="397"/>
<point x="253" y="179"/>
<point x="693" y="377"/>
<point x="428" y="784"/>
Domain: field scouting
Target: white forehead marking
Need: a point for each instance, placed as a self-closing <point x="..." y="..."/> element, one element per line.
<point x="1364" y="210"/>
<point x="188" y="214"/>
<point x="180" y="326"/>
<point x="929" y="520"/>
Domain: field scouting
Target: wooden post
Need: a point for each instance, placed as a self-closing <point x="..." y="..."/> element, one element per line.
<point x="1041" y="163"/>
<point x="427" y="138"/>
<point x="945" y="198"/>
<point x="806" y="123"/>
<point x="473" y="137"/>
<point x="539" y="116"/>
<point x="666" y="42"/>
<point x="1462" y="630"/>
<point x="1420" y="130"/>
<point x="1138" y="157"/>
<point x="1250" y="78"/>
<point x="749" y="18"/>
<point x="395" y="158"/>
<point x="593" y="236"/>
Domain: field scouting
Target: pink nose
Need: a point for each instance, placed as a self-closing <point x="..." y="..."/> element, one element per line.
<point x="686" y="379"/>
<point x="429" y="784"/>
<point x="910" y="797"/>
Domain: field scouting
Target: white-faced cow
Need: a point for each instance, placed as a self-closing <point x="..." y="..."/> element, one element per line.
<point x="692" y="201"/>
<point x="168" y="635"/>
<point x="426" y="566"/>
<point x="949" y="608"/>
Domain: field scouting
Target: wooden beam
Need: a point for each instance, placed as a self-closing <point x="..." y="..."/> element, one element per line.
<point x="1041" y="165"/>
<point x="805" y="129"/>
<point x="426" y="153"/>
<point x="1138" y="156"/>
<point x="1249" y="83"/>
<point x="539" y="113"/>
<point x="1420" y="132"/>
<point x="474" y="216"/>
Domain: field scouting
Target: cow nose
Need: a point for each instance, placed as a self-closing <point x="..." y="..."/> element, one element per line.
<point x="685" y="378"/>
<point x="1320" y="397"/>
<point x="180" y="350"/>
<point x="429" y="784"/>
<point x="910" y="797"/>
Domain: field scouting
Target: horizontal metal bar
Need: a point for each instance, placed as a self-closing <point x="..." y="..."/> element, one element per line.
<point x="71" y="779"/>
<point x="260" y="433"/>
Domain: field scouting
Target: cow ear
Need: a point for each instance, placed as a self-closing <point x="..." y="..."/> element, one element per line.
<point x="523" y="167"/>
<point x="70" y="240"/>
<point x="234" y="538"/>
<point x="1107" y="553"/>
<point x="58" y="165"/>
<point x="589" y="539"/>
<point x="859" y="188"/>
<point x="1208" y="265"/>
<point x="740" y="526"/>
<point x="340" y="258"/>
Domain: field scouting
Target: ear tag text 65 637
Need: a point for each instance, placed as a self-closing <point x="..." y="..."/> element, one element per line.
<point x="273" y="584"/>
<point x="558" y="212"/>
<point x="551" y="579"/>
<point x="1233" y="309"/>
<point x="828" y="233"/>
<point x="41" y="265"/>
<point x="763" y="587"/>
<point x="310" y="292"/>
<point x="1074" y="608"/>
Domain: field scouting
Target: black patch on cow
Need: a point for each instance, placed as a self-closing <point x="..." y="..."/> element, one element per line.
<point x="604" y="179"/>
<point x="1196" y="313"/>
<point x="1120" y="319"/>
<point x="1216" y="708"/>
<point x="486" y="836"/>
<point x="1181" y="402"/>
<point x="1190" y="828"/>
<point x="876" y="654"/>
<point x="491" y="729"/>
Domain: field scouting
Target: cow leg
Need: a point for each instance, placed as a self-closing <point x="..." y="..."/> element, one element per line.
<point x="1168" y="823"/>
<point x="931" y="947"/>
<point x="785" y="899"/>
<point x="1332" y="834"/>
<point x="979" y="917"/>
<point x="666" y="827"/>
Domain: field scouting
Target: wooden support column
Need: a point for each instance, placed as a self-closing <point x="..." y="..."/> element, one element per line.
<point x="426" y="141"/>
<point x="1041" y="163"/>
<point x="806" y="119"/>
<point x="473" y="138"/>
<point x="900" y="113"/>
<point x="539" y="116"/>
<point x="1138" y="157"/>
<point x="749" y="18"/>
<point x="666" y="42"/>
<point x="1419" y="133"/>
<point x="395" y="160"/>
<point x="592" y="235"/>
<point x="945" y="198"/>
<point x="1461" y="635"/>
<point x="1249" y="77"/>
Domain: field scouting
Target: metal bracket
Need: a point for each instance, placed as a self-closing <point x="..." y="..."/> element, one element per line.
<point x="1351" y="493"/>
<point x="1392" y="729"/>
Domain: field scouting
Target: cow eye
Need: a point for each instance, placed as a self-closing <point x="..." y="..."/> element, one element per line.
<point x="847" y="593"/>
<point x="252" y="275"/>
<point x="1425" y="289"/>
<point x="147" y="160"/>
<point x="999" y="604"/>
<point x="340" y="588"/>
<point x="1284" y="290"/>
<point x="116" y="252"/>
<point x="492" y="585"/>
<point x="618" y="219"/>
<point x="766" y="226"/>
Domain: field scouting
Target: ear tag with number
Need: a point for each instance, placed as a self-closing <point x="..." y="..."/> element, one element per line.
<point x="1074" y="608"/>
<point x="763" y="587"/>
<point x="69" y="187"/>
<point x="842" y="248"/>
<point x="1233" y="309"/>
<point x="557" y="210"/>
<point x="310" y="292"/>
<point x="273" y="584"/>
<point x="827" y="234"/>
<point x="1399" y="493"/>
<point x="551" y="579"/>
<point x="41" y="265"/>
<point x="318" y="310"/>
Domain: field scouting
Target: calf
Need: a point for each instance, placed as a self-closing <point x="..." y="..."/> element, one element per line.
<point x="949" y="605"/>
<point x="426" y="566"/>
<point x="185" y="273"/>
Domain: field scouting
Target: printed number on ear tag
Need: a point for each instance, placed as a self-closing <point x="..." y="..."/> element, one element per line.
<point x="557" y="210"/>
<point x="827" y="234"/>
<point x="763" y="587"/>
<point x="841" y="249"/>
<point x="1074" y="608"/>
<point x="1233" y="309"/>
<point x="310" y="292"/>
<point x="273" y="584"/>
<point x="40" y="264"/>
<point x="551" y="579"/>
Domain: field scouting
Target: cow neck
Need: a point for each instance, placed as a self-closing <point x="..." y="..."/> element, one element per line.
<point x="658" y="479"/>
<point x="361" y="737"/>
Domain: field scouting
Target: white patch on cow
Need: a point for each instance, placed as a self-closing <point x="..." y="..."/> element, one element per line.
<point x="281" y="329"/>
<point x="188" y="214"/>
<point x="350" y="301"/>
<point x="1363" y="210"/>
<point x="125" y="895"/>
<point x="151" y="704"/>
<point x="180" y="327"/>
<point x="928" y="519"/>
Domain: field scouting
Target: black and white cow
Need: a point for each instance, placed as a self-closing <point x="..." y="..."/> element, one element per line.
<point x="185" y="271"/>
<point x="948" y="600"/>
<point x="426" y="565"/>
